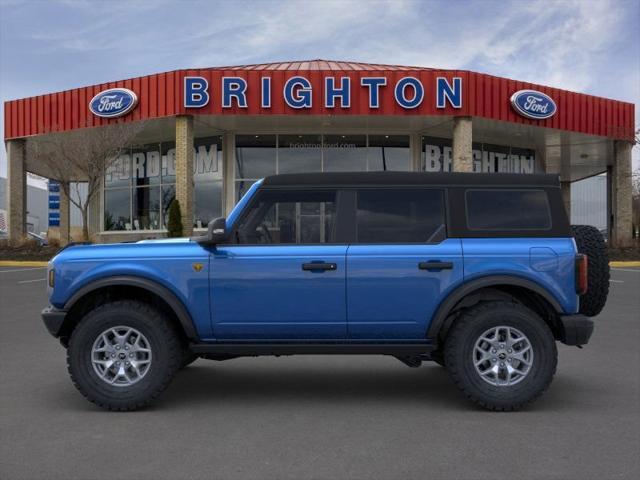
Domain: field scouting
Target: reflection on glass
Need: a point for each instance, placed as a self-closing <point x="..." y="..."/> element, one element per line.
<point x="168" y="194"/>
<point x="118" y="173"/>
<point x="116" y="209"/>
<point x="208" y="203"/>
<point x="207" y="162"/>
<point x="299" y="153"/>
<point x="389" y="152"/>
<point x="345" y="153"/>
<point x="241" y="188"/>
<point x="146" y="208"/>
<point x="145" y="165"/>
<point x="255" y="156"/>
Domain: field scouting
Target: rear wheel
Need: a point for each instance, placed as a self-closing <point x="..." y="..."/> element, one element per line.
<point x="590" y="242"/>
<point x="123" y="354"/>
<point x="501" y="355"/>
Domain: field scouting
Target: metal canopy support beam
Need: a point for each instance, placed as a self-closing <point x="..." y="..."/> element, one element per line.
<point x="462" y="144"/>
<point x="184" y="171"/>
<point x="16" y="190"/>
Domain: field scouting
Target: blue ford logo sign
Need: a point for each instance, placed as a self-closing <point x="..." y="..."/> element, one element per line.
<point x="114" y="102"/>
<point x="533" y="104"/>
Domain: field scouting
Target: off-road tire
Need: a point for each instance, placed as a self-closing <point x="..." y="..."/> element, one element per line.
<point x="590" y="242"/>
<point x="460" y="344"/>
<point x="154" y="325"/>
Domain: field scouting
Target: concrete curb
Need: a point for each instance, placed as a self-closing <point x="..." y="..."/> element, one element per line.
<point x="625" y="264"/>
<point x="21" y="263"/>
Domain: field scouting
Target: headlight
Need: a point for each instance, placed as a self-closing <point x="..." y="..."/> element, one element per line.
<point x="52" y="277"/>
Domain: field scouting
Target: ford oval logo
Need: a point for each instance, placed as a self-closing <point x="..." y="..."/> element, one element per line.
<point x="114" y="102"/>
<point x="533" y="104"/>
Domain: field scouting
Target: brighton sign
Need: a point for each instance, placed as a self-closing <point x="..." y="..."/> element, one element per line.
<point x="113" y="103"/>
<point x="408" y="92"/>
<point x="533" y="104"/>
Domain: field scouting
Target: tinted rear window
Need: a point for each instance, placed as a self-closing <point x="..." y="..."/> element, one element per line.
<point x="400" y="216"/>
<point x="507" y="210"/>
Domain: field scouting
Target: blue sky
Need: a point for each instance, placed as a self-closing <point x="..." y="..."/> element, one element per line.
<point x="582" y="45"/>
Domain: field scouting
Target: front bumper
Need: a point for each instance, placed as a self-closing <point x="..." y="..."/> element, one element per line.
<point x="575" y="329"/>
<point x="53" y="319"/>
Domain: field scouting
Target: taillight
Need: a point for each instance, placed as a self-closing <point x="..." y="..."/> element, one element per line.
<point x="582" y="266"/>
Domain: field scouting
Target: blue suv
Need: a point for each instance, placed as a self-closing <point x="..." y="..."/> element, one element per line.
<point x="481" y="273"/>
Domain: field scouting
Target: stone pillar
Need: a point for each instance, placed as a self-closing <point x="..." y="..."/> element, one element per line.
<point x="184" y="171"/>
<point x="65" y="216"/>
<point x="462" y="144"/>
<point x="228" y="172"/>
<point x="16" y="191"/>
<point x="621" y="189"/>
<point x="566" y="197"/>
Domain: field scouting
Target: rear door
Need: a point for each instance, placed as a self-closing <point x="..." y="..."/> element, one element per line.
<point x="401" y="265"/>
<point x="283" y="277"/>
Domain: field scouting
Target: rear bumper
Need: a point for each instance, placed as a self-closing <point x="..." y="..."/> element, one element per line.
<point x="53" y="319"/>
<point x="576" y="329"/>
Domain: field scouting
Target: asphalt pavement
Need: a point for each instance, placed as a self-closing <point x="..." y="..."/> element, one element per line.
<point x="316" y="417"/>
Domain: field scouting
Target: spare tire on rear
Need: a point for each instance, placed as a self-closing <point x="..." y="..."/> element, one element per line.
<point x="590" y="242"/>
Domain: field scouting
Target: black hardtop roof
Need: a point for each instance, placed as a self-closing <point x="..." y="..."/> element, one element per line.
<point x="412" y="178"/>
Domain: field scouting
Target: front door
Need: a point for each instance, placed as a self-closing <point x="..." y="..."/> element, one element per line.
<point x="401" y="266"/>
<point x="283" y="275"/>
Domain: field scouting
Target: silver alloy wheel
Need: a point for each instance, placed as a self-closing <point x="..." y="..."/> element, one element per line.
<point x="502" y="356"/>
<point x="121" y="356"/>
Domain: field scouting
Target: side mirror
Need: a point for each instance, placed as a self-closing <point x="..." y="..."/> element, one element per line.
<point x="217" y="231"/>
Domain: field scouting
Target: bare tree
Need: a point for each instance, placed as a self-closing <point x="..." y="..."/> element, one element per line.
<point x="82" y="156"/>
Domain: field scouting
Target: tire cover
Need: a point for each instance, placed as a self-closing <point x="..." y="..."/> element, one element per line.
<point x="591" y="243"/>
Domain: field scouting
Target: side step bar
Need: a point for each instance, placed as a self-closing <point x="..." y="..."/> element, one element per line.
<point x="256" y="349"/>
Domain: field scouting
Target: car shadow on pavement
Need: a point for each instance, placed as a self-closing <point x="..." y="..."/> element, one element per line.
<point x="205" y="384"/>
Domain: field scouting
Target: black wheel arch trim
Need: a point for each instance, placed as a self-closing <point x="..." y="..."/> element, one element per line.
<point x="178" y="307"/>
<point x="467" y="288"/>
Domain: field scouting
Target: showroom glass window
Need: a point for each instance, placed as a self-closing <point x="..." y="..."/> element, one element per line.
<point x="140" y="185"/>
<point x="258" y="156"/>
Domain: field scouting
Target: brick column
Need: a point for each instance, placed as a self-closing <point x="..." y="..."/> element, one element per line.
<point x="621" y="189"/>
<point x="462" y="140"/>
<point x="228" y="172"/>
<point x="16" y="191"/>
<point x="184" y="171"/>
<point x="65" y="217"/>
<point x="566" y="197"/>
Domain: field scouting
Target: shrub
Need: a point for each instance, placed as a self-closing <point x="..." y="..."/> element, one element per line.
<point x="174" y="225"/>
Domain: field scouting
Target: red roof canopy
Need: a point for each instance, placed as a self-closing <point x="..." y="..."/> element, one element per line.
<point x="161" y="95"/>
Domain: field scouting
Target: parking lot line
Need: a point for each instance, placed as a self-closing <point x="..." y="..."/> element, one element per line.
<point x="615" y="281"/>
<point x="22" y="269"/>
<point x="626" y="270"/>
<point x="30" y="281"/>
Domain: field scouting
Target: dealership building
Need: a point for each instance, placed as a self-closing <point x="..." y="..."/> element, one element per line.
<point x="208" y="134"/>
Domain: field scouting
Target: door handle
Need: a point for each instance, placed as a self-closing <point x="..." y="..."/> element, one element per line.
<point x="435" y="265"/>
<point x="319" y="266"/>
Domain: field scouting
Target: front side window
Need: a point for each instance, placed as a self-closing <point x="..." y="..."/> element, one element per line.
<point x="400" y="216"/>
<point x="289" y="217"/>
<point x="489" y="209"/>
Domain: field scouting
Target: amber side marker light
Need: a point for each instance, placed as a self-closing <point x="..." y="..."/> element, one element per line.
<point x="52" y="277"/>
<point x="582" y="269"/>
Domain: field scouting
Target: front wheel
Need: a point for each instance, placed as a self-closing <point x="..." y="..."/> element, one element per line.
<point x="123" y="354"/>
<point x="501" y="355"/>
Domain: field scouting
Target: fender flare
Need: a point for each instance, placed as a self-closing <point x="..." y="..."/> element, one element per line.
<point x="465" y="289"/>
<point x="151" y="286"/>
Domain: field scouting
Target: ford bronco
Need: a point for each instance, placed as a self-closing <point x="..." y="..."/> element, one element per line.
<point x="480" y="273"/>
